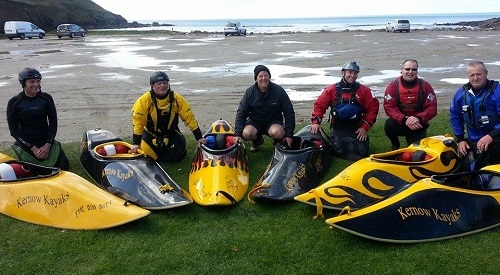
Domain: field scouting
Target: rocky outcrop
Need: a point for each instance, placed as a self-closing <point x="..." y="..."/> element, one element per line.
<point x="489" y="24"/>
<point x="48" y="14"/>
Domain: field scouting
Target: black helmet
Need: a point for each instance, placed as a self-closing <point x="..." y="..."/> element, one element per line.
<point x="157" y="77"/>
<point x="351" y="65"/>
<point x="28" y="73"/>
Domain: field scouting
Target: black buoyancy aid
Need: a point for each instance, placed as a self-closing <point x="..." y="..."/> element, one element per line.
<point x="475" y="111"/>
<point x="163" y="125"/>
<point x="419" y="106"/>
<point x="346" y="112"/>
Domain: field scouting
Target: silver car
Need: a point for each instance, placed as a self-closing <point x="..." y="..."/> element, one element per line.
<point x="399" y="25"/>
<point x="70" y="30"/>
<point x="234" y="29"/>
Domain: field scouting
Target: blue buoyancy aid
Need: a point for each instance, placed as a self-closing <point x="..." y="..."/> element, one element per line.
<point x="346" y="113"/>
<point x="479" y="111"/>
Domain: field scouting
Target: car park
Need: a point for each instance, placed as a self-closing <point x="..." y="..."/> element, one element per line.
<point x="70" y="30"/>
<point x="234" y="28"/>
<point x="398" y="25"/>
<point x="22" y="30"/>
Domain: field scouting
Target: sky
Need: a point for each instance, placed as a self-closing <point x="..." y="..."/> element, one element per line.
<point x="150" y="10"/>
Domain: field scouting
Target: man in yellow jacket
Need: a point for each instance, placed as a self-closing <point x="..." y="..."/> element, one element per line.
<point x="155" y="118"/>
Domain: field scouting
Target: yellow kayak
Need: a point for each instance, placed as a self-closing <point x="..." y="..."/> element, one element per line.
<point x="219" y="170"/>
<point x="431" y="209"/>
<point x="60" y="199"/>
<point x="380" y="175"/>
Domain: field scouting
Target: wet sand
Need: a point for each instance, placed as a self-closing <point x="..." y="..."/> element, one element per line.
<point x="95" y="80"/>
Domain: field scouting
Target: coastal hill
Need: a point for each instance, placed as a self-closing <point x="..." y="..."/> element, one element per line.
<point x="48" y="14"/>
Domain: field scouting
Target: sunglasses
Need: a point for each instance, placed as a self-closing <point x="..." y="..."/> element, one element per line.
<point x="410" y="69"/>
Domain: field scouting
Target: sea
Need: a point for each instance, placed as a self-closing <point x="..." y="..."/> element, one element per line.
<point x="279" y="25"/>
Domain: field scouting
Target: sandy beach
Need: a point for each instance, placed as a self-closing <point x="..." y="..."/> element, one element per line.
<point x="95" y="80"/>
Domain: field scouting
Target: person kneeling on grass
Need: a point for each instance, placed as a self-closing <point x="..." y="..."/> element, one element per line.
<point x="32" y="119"/>
<point x="353" y="111"/>
<point x="155" y="119"/>
<point x="475" y="107"/>
<point x="261" y="112"/>
<point x="410" y="103"/>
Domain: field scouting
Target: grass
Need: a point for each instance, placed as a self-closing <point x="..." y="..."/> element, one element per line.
<point x="263" y="238"/>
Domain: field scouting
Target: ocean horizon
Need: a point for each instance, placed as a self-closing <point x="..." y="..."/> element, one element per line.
<point x="310" y="24"/>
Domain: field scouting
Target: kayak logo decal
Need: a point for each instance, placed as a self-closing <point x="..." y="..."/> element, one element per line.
<point x="408" y="212"/>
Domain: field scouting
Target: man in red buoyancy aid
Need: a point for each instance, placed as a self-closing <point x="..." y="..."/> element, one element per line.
<point x="410" y="103"/>
<point x="353" y="110"/>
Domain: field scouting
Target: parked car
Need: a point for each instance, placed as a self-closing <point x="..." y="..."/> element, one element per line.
<point x="70" y="30"/>
<point x="398" y="25"/>
<point x="22" y="29"/>
<point x="234" y="29"/>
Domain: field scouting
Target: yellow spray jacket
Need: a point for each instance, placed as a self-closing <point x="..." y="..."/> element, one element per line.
<point x="145" y="115"/>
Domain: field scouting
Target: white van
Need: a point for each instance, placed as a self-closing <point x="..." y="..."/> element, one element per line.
<point x="22" y="29"/>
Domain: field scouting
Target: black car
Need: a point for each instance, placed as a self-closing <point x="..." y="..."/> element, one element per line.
<point x="70" y="30"/>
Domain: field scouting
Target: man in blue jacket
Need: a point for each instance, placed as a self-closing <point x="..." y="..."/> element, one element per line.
<point x="261" y="112"/>
<point x="476" y="105"/>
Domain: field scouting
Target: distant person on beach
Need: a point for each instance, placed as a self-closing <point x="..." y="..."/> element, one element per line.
<point x="32" y="119"/>
<point x="353" y="111"/>
<point x="476" y="107"/>
<point x="410" y="103"/>
<point x="262" y="110"/>
<point x="155" y="119"/>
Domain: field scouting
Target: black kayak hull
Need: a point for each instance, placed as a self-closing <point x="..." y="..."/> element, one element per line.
<point x="296" y="169"/>
<point x="133" y="177"/>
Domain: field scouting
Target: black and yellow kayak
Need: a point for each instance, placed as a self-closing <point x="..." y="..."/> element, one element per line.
<point x="136" y="178"/>
<point x="219" y="171"/>
<point x="380" y="175"/>
<point x="56" y="198"/>
<point x="431" y="209"/>
<point x="294" y="169"/>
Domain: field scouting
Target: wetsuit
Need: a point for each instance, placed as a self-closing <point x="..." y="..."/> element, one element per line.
<point x="33" y="122"/>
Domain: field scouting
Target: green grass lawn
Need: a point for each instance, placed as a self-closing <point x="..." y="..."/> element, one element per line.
<point x="262" y="238"/>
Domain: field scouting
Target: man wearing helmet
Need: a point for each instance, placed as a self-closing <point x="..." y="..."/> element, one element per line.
<point x="32" y="120"/>
<point x="353" y="111"/>
<point x="155" y="119"/>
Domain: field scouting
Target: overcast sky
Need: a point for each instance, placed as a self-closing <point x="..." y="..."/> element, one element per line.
<point x="149" y="10"/>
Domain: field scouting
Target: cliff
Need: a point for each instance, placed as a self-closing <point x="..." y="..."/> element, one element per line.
<point x="48" y="14"/>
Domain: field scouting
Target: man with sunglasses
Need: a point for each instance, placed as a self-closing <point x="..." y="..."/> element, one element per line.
<point x="410" y="103"/>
